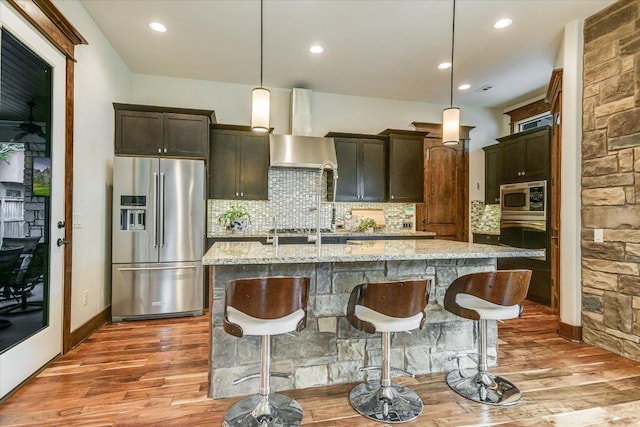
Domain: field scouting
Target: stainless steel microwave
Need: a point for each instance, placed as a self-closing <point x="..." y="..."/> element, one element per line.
<point x="524" y="200"/>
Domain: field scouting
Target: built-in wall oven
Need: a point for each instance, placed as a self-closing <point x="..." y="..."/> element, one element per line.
<point x="523" y="215"/>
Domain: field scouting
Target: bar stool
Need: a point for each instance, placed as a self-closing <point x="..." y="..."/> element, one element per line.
<point x="495" y="295"/>
<point x="265" y="306"/>
<point x="387" y="307"/>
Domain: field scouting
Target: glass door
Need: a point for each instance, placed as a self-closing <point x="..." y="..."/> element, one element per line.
<point x="32" y="188"/>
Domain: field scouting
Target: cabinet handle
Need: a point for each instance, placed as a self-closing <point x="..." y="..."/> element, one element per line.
<point x="392" y="197"/>
<point x="241" y="194"/>
<point x="237" y="194"/>
<point x="159" y="150"/>
<point x="165" y="150"/>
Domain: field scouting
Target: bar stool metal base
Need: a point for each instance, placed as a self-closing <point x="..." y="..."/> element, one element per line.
<point x="483" y="387"/>
<point x="390" y="404"/>
<point x="275" y="410"/>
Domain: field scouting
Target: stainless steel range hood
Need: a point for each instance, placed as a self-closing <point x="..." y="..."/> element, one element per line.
<point x="297" y="151"/>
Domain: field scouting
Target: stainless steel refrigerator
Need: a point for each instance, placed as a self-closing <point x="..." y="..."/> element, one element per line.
<point x="158" y="237"/>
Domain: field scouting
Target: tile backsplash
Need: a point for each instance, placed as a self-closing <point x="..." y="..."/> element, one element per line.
<point x="485" y="217"/>
<point x="292" y="196"/>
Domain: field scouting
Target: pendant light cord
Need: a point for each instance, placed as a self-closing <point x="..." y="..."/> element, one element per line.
<point x="453" y="32"/>
<point x="262" y="43"/>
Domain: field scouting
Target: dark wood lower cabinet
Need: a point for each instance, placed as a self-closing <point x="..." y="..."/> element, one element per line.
<point x="540" y="285"/>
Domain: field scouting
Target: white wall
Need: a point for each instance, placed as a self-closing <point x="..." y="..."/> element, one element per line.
<point x="101" y="77"/>
<point x="330" y="112"/>
<point x="570" y="171"/>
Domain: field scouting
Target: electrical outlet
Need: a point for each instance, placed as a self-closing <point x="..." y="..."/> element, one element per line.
<point x="598" y="235"/>
<point x="85" y="298"/>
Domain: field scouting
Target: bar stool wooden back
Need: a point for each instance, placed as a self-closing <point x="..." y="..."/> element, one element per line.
<point x="265" y="306"/>
<point x="483" y="297"/>
<point x="387" y="307"/>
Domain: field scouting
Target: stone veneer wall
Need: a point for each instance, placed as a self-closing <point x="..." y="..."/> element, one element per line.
<point x="329" y="350"/>
<point x="611" y="179"/>
<point x="292" y="193"/>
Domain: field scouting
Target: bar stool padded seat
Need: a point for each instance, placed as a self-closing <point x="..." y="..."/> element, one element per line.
<point x="254" y="326"/>
<point x="384" y="323"/>
<point x="488" y="310"/>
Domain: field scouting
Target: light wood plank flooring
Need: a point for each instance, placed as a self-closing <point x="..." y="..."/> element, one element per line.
<point x="155" y="373"/>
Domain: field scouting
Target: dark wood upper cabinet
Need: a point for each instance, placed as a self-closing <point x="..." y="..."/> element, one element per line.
<point x="144" y="130"/>
<point x="406" y="165"/>
<point x="362" y="167"/>
<point x="526" y="155"/>
<point x="492" y="173"/>
<point x="239" y="163"/>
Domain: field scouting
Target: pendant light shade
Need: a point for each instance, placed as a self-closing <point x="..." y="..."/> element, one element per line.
<point x="260" y="109"/>
<point x="451" y="126"/>
<point x="451" y="115"/>
<point x="261" y="97"/>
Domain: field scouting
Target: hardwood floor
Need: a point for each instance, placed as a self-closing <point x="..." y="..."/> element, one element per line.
<point x="155" y="373"/>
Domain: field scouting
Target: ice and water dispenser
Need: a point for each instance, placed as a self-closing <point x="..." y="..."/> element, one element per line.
<point x="133" y="212"/>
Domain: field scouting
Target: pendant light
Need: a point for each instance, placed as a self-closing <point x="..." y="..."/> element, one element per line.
<point x="451" y="115"/>
<point x="260" y="96"/>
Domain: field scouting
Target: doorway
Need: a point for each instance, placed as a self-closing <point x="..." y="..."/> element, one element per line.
<point x="32" y="190"/>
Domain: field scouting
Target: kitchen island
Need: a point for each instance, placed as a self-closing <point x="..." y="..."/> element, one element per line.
<point x="329" y="350"/>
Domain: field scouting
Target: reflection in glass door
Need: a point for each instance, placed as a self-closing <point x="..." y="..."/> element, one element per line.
<point x="32" y="81"/>
<point x="25" y="181"/>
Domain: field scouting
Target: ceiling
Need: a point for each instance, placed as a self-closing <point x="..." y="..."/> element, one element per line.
<point x="375" y="48"/>
<point x="25" y="85"/>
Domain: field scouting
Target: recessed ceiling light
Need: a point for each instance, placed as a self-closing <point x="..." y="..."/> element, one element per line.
<point x="316" y="48"/>
<point x="156" y="26"/>
<point x="502" y="23"/>
<point x="444" y="65"/>
<point x="464" y="86"/>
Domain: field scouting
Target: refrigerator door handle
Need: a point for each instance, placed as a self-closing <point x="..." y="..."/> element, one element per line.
<point x="161" y="209"/>
<point x="183" y="267"/>
<point x="155" y="215"/>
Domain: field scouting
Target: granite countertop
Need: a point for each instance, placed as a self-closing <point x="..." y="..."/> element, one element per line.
<point x="234" y="253"/>
<point x="382" y="233"/>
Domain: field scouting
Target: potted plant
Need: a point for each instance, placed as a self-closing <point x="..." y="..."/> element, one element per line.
<point x="367" y="225"/>
<point x="235" y="218"/>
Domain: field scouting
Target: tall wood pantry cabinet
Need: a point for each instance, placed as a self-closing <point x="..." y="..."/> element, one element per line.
<point x="145" y="130"/>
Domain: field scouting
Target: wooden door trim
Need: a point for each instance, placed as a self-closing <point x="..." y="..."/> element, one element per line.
<point x="53" y="26"/>
<point x="554" y="98"/>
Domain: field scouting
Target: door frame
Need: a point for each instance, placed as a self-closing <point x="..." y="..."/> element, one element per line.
<point x="52" y="25"/>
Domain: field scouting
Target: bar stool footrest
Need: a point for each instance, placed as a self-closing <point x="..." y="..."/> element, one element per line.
<point x="483" y="387"/>
<point x="257" y="375"/>
<point x="254" y="411"/>
<point x="390" y="404"/>
<point x="379" y="368"/>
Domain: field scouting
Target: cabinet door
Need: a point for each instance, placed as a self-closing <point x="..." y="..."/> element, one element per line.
<point x="492" y="159"/>
<point x="254" y="166"/>
<point x="223" y="169"/>
<point x="406" y="169"/>
<point x="513" y="154"/>
<point x="186" y="135"/>
<point x="536" y="147"/>
<point x="138" y="132"/>
<point x="373" y="171"/>
<point x="347" y="156"/>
